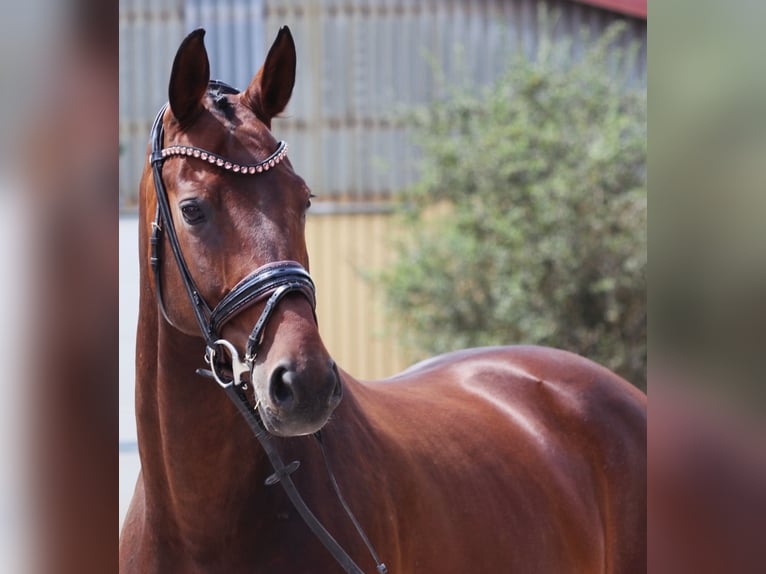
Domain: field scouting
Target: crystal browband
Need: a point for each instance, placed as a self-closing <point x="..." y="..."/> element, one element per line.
<point x="213" y="159"/>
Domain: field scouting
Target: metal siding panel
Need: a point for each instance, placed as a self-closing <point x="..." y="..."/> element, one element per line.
<point x="472" y="43"/>
<point x="193" y="15"/>
<point x="364" y="161"/>
<point x="159" y="69"/>
<point x="366" y="70"/>
<point x="352" y="319"/>
<point x="226" y="55"/>
<point x="257" y="35"/>
<point x="343" y="152"/>
<point x="359" y="60"/>
<point x="373" y="40"/>
<point x="370" y="60"/>
<point x="402" y="43"/>
<point x="244" y="67"/>
<point x="386" y="61"/>
<point x="495" y="45"/>
<point x="127" y="67"/>
<point x="330" y="163"/>
<point x="302" y="101"/>
<point x="234" y="37"/>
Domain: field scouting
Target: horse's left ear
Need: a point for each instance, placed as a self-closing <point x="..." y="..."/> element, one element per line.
<point x="271" y="88"/>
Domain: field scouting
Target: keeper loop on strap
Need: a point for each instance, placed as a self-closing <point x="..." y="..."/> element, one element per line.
<point x="282" y="472"/>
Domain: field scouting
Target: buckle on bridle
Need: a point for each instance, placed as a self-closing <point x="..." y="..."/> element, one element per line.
<point x="238" y="367"/>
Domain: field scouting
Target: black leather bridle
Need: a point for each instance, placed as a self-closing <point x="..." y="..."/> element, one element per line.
<point x="271" y="282"/>
<point x="274" y="280"/>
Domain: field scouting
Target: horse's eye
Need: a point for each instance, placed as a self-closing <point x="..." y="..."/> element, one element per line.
<point x="192" y="213"/>
<point x="308" y="201"/>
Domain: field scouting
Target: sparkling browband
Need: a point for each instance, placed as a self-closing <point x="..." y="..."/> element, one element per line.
<point x="213" y="159"/>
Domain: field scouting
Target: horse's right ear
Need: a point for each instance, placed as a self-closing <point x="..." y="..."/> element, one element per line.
<point x="189" y="78"/>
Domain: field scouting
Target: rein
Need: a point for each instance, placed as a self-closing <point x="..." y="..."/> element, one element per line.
<point x="271" y="282"/>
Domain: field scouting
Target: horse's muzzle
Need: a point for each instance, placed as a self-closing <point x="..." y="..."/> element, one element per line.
<point x="298" y="400"/>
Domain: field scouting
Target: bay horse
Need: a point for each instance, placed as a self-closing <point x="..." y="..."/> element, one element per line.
<point x="517" y="459"/>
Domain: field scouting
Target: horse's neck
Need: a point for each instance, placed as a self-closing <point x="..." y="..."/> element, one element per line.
<point x="194" y="467"/>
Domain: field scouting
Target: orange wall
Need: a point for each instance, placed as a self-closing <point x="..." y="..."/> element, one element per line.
<point x="352" y="320"/>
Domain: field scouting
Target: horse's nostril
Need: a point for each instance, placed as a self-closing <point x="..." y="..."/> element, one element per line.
<point x="282" y="386"/>
<point x="337" y="391"/>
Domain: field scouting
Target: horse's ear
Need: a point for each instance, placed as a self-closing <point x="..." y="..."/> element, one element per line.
<point x="271" y="88"/>
<point x="189" y="78"/>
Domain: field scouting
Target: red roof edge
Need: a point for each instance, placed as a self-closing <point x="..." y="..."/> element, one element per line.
<point x="635" y="8"/>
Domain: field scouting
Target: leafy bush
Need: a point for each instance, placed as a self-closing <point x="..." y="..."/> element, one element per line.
<point x="528" y="221"/>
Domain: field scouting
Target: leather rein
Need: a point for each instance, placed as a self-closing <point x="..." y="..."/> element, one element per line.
<point x="271" y="282"/>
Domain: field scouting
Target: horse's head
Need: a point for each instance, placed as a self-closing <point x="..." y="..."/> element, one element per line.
<point x="239" y="222"/>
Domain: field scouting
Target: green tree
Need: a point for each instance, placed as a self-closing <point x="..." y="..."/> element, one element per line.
<point x="528" y="221"/>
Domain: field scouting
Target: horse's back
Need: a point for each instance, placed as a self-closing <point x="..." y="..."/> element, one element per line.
<point x="548" y="384"/>
<point x="543" y="452"/>
<point x="539" y="390"/>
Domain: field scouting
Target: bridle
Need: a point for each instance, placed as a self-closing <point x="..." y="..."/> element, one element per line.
<point x="273" y="281"/>
<point x="270" y="283"/>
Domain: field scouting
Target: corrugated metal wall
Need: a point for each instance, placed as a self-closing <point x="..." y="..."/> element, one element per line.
<point x="150" y="32"/>
<point x="358" y="62"/>
<point x="344" y="249"/>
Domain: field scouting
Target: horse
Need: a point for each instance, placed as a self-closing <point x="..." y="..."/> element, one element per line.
<point x="517" y="459"/>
